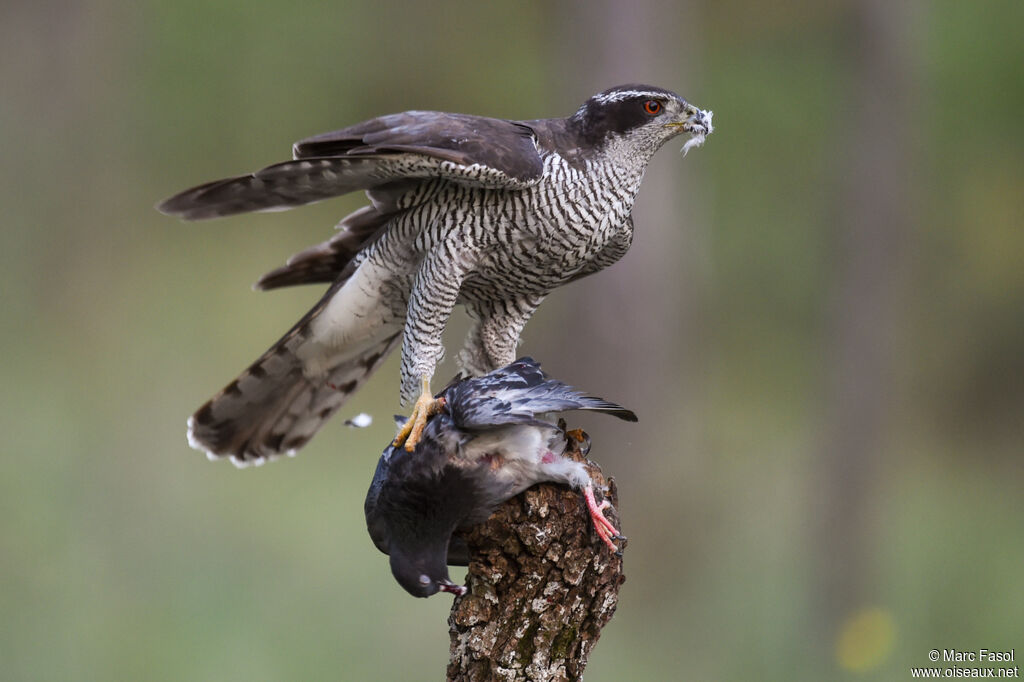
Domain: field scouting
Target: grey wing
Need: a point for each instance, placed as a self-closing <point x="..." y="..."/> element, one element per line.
<point x="474" y="150"/>
<point x="518" y="394"/>
<point x="471" y="150"/>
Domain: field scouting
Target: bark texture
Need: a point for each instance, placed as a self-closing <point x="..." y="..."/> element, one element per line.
<point x="541" y="586"/>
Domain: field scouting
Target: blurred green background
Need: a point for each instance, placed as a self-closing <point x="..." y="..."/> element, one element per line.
<point x="821" y="325"/>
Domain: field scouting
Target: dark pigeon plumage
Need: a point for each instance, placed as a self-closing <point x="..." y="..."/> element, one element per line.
<point x="490" y="442"/>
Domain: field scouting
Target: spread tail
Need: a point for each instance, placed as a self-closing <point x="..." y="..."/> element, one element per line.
<point x="273" y="408"/>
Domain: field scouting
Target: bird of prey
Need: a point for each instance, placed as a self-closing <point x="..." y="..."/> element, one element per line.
<point x="490" y="213"/>
<point x="489" y="441"/>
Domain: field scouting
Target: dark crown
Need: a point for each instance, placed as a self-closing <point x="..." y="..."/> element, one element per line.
<point x="616" y="110"/>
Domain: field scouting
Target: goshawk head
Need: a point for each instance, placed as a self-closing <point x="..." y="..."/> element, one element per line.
<point x="643" y="117"/>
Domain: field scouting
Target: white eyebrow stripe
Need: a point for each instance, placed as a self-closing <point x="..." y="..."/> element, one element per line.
<point x="627" y="94"/>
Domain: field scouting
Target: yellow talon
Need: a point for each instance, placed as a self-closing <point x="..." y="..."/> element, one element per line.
<point x="426" y="407"/>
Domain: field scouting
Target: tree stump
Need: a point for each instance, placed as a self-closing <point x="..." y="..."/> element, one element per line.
<point x="541" y="586"/>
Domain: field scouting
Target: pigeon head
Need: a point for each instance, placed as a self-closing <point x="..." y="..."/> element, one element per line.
<point x="643" y="116"/>
<point x="414" y="510"/>
<point x="421" y="519"/>
<point x="422" y="570"/>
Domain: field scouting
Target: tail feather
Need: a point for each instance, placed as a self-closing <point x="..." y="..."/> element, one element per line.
<point x="273" y="408"/>
<point x="333" y="259"/>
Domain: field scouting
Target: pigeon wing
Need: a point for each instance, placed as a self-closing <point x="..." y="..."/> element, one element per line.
<point x="519" y="394"/>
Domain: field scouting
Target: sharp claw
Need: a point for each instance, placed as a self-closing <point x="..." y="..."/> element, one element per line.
<point x="419" y="422"/>
<point x="426" y="407"/>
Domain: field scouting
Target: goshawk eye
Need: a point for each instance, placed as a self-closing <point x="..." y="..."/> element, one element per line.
<point x="652" y="107"/>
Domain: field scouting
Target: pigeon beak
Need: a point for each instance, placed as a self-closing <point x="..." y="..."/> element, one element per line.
<point x="449" y="586"/>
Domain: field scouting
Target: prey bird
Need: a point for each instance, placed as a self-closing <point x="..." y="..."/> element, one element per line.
<point x="490" y="213"/>
<point x="489" y="441"/>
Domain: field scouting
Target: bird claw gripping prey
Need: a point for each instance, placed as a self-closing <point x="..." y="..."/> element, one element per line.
<point x="490" y="440"/>
<point x="489" y="213"/>
<point x="426" y="406"/>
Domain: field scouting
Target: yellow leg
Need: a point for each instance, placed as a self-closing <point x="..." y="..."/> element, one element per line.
<point x="426" y="407"/>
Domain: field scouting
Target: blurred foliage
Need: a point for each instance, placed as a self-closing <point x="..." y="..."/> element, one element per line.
<point x="124" y="555"/>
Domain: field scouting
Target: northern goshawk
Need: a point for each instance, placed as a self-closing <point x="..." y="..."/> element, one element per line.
<point x="490" y="213"/>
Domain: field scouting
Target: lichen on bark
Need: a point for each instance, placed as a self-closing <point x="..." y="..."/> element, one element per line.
<point x="542" y="585"/>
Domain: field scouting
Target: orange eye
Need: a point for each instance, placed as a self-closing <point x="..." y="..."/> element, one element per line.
<point x="652" y="107"/>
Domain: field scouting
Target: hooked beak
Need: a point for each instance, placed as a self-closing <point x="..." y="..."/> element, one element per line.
<point x="449" y="586"/>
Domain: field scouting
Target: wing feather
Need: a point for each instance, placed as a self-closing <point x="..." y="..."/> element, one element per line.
<point x="519" y="394"/>
<point x="471" y="150"/>
<point x="507" y="148"/>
